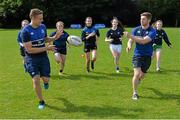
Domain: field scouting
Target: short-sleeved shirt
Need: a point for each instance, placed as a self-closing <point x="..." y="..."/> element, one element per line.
<point x="19" y="39"/>
<point x="61" y="41"/>
<point x="88" y="30"/>
<point x="144" y="49"/>
<point x="115" y="35"/>
<point x="36" y="36"/>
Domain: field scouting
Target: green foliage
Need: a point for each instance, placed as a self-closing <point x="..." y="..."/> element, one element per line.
<point x="75" y="11"/>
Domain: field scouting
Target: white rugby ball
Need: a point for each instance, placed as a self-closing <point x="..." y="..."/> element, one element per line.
<point x="74" y="40"/>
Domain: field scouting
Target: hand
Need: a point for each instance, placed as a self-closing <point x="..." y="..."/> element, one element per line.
<point x="58" y="34"/>
<point x="50" y="47"/>
<point x="126" y="34"/>
<point x="128" y="49"/>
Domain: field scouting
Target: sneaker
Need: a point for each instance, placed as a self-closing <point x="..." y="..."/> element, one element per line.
<point x="41" y="105"/>
<point x="92" y="65"/>
<point x="158" y="69"/>
<point x="117" y="69"/>
<point x="46" y="86"/>
<point x="88" y="71"/>
<point x="60" y="73"/>
<point x="135" y="97"/>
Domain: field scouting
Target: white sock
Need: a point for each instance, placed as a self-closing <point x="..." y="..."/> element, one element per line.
<point x="135" y="92"/>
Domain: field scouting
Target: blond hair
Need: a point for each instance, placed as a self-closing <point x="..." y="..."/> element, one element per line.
<point x="34" y="12"/>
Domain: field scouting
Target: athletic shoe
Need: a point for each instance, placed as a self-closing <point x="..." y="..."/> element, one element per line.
<point x="60" y="72"/>
<point x="135" y="97"/>
<point x="92" y="65"/>
<point x="41" y="105"/>
<point x="46" y="86"/>
<point x="117" y="69"/>
<point x="88" y="71"/>
<point x="158" y="69"/>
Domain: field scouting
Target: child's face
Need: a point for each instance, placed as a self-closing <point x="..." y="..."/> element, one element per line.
<point x="159" y="25"/>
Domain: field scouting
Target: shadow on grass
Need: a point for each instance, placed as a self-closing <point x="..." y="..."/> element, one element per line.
<point x="92" y="76"/>
<point x="94" y="111"/>
<point x="165" y="71"/>
<point x="163" y="96"/>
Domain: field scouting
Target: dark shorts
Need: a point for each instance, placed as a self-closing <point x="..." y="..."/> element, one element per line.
<point x="89" y="47"/>
<point x="61" y="50"/>
<point x="142" y="62"/>
<point x="38" y="66"/>
<point x="22" y="51"/>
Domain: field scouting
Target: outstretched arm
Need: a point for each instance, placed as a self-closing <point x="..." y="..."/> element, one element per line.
<point x="140" y="40"/>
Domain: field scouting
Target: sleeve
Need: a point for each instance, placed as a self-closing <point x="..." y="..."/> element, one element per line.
<point x="121" y="29"/>
<point x="45" y="30"/>
<point x="108" y="34"/>
<point x="152" y="34"/>
<point x="52" y="34"/>
<point x="19" y="40"/>
<point x="83" y="36"/>
<point x="166" y="39"/>
<point x="25" y="36"/>
<point x="134" y="32"/>
<point x="97" y="33"/>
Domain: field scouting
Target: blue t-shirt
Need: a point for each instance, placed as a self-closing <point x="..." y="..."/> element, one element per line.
<point x="88" y="30"/>
<point x="61" y="41"/>
<point x="144" y="49"/>
<point x="36" y="36"/>
<point x="19" y="39"/>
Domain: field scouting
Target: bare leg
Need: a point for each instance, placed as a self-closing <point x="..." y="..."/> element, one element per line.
<point x="63" y="58"/>
<point x="87" y="61"/>
<point x="37" y="87"/>
<point x="158" y="56"/>
<point x="135" y="79"/>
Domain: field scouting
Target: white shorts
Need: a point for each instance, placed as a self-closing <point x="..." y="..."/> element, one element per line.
<point x="115" y="48"/>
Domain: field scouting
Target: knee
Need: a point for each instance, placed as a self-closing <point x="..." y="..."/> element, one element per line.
<point x="58" y="61"/>
<point x="137" y="75"/>
<point x="94" y="59"/>
<point x="36" y="81"/>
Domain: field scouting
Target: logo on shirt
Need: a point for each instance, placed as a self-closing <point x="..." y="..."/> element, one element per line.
<point x="32" y="33"/>
<point x="147" y="32"/>
<point x="118" y="33"/>
<point x="139" y="31"/>
<point x="42" y="31"/>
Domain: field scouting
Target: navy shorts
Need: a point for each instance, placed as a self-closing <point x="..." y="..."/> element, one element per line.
<point x="89" y="47"/>
<point x="38" y="66"/>
<point x="22" y="51"/>
<point x="142" y="62"/>
<point x="61" y="50"/>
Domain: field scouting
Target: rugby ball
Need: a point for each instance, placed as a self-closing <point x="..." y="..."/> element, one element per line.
<point x="74" y="40"/>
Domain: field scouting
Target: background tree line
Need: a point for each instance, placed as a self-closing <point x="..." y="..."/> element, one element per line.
<point x="102" y="11"/>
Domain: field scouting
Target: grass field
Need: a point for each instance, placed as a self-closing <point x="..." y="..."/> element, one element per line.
<point x="100" y="94"/>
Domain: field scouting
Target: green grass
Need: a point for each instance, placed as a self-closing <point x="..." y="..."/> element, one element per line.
<point x="100" y="94"/>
